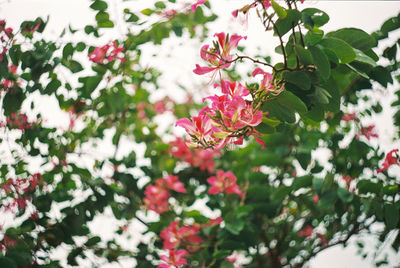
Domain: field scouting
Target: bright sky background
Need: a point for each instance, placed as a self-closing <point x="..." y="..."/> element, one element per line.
<point x="367" y="15"/>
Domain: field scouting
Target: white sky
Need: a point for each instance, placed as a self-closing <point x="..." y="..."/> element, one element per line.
<point x="367" y="15"/>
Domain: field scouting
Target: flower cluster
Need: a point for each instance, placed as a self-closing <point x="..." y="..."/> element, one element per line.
<point x="156" y="196"/>
<point x="389" y="160"/>
<point x="229" y="118"/>
<point x="201" y="158"/>
<point x="18" y="121"/>
<point x="186" y="236"/>
<point x="232" y="116"/>
<point x="107" y="53"/>
<point x="19" y="189"/>
<point x="6" y="34"/>
<point x="224" y="182"/>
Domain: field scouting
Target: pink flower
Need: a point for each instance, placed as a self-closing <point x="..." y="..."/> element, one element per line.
<point x="172" y="183"/>
<point x="306" y="231"/>
<point x="316" y="199"/>
<point x="233" y="89"/>
<point x="175" y="259"/>
<point x="266" y="83"/>
<point x="159" y="107"/>
<point x="201" y="130"/>
<point x="194" y="6"/>
<point x="169" y="14"/>
<point x="174" y="236"/>
<point x="266" y="3"/>
<point x="224" y="182"/>
<point x="389" y="160"/>
<point x="106" y="53"/>
<point x="219" y="56"/>
<point x="349" y="117"/>
<point x="156" y="198"/>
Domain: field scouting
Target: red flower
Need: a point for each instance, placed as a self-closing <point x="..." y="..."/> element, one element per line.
<point x="224" y="182"/>
<point x="306" y="231"/>
<point x="175" y="259"/>
<point x="368" y="132"/>
<point x="389" y="160"/>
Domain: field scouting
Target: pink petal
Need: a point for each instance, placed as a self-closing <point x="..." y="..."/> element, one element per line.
<point x="203" y="70"/>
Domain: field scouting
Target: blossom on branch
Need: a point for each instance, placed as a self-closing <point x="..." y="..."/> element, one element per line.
<point x="174" y="236"/>
<point x="175" y="259"/>
<point x="224" y="182"/>
<point x="107" y="53"/>
<point x="193" y="7"/>
<point x="389" y="160"/>
<point x="219" y="56"/>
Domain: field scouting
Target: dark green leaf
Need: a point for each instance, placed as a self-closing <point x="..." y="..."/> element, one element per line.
<point x="321" y="62"/>
<point x="291" y="101"/>
<point x="299" y="78"/>
<point x="343" y="51"/>
<point x="355" y="37"/>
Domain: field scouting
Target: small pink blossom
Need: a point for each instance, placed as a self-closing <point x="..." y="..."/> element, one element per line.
<point x="171" y="182"/>
<point x="174" y="236"/>
<point x="316" y="199"/>
<point x="349" y="117"/>
<point x="194" y="6"/>
<point x="156" y="198"/>
<point x="107" y="53"/>
<point x="267" y="82"/>
<point x="175" y="259"/>
<point x="389" y="160"/>
<point x="224" y="182"/>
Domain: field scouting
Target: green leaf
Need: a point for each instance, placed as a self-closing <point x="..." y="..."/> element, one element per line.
<point x="321" y="62"/>
<point x="343" y="51"/>
<point x="391" y="215"/>
<point x="265" y="129"/>
<point x="318" y="17"/>
<point x="291" y="101"/>
<point x="147" y="11"/>
<point x="304" y="159"/>
<point x="355" y="37"/>
<point x="7" y="263"/>
<point x="281" y="112"/>
<point x="299" y="78"/>
<point x="160" y="5"/>
<point x="366" y="186"/>
<point x="321" y="96"/>
<point x="235" y="226"/>
<point x="280" y="11"/>
<point x="313" y="36"/>
<point x="345" y="195"/>
<point x="361" y="57"/>
<point x="328" y="199"/>
<point x="304" y="55"/>
<point x="316" y="113"/>
<point x="270" y="122"/>
<point x="302" y="182"/>
<point x="99" y="5"/>
<point x="381" y="75"/>
<point x="282" y="26"/>
<point x="13" y="100"/>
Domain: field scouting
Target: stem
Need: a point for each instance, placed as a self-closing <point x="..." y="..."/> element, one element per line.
<point x="281" y="43"/>
<point x="253" y="60"/>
